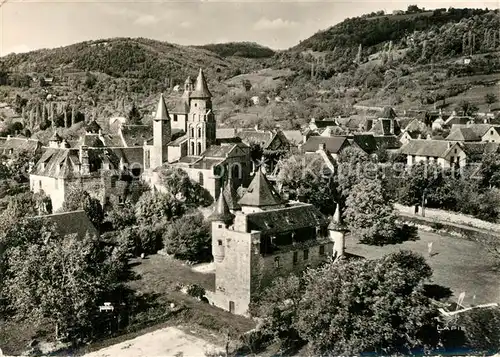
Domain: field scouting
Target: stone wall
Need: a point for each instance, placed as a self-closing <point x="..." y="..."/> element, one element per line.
<point x="451" y="217"/>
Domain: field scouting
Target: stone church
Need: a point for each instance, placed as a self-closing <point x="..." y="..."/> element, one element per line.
<point x="204" y="158"/>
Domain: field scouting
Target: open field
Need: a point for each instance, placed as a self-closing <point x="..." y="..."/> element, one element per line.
<point x="169" y="341"/>
<point x="459" y="264"/>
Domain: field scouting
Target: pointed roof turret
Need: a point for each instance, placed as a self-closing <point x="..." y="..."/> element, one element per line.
<point x="201" y="88"/>
<point x="161" y="110"/>
<point x="221" y="211"/>
<point x="336" y="223"/>
<point x="260" y="193"/>
<point x="188" y="80"/>
<point x="230" y="195"/>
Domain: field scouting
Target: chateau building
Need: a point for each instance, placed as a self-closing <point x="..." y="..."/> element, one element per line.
<point x="103" y="171"/>
<point x="199" y="153"/>
<point x="263" y="237"/>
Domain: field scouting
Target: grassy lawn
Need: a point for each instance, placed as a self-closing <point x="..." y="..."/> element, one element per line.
<point x="458" y="264"/>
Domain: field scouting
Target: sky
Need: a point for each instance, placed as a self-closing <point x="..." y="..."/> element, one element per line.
<point x="32" y="24"/>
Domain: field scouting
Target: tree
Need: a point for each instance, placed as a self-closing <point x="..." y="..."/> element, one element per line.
<point x="466" y="107"/>
<point x="79" y="199"/>
<point x="188" y="238"/>
<point x="134" y="116"/>
<point x="482" y="329"/>
<point x="490" y="98"/>
<point x="72" y="278"/>
<point x="422" y="178"/>
<point x="370" y="214"/>
<point x="177" y="182"/>
<point x="278" y="308"/>
<point x="309" y="179"/>
<point x="367" y="306"/>
<point x="156" y="208"/>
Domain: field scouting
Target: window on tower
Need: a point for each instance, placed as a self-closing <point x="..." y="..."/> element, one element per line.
<point x="199" y="132"/>
<point x="192" y="132"/>
<point x="191" y="152"/>
<point x="199" y="149"/>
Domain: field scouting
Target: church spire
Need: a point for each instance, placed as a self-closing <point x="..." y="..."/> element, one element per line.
<point x="161" y="110"/>
<point x="201" y="88"/>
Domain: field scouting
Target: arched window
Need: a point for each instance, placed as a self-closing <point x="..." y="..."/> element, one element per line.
<point x="200" y="178"/>
<point x="191" y="152"/>
<point x="236" y="171"/>
<point x="199" y="132"/>
<point x="192" y="132"/>
<point x="199" y="149"/>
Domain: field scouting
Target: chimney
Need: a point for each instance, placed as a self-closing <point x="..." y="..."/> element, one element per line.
<point x="84" y="160"/>
<point x="449" y="144"/>
<point x="322" y="147"/>
<point x="256" y="127"/>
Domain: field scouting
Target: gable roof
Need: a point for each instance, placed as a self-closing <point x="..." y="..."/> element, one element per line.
<point x="260" y="193"/>
<point x="463" y="134"/>
<point x="476" y="150"/>
<point x="414" y="125"/>
<point x="333" y="144"/>
<point x="21" y="144"/>
<point x="136" y="135"/>
<point x="431" y="148"/>
<point x="320" y="124"/>
<point x="261" y="137"/>
<point x="479" y="129"/>
<point x="388" y="113"/>
<point x="383" y="127"/>
<point x="225" y="133"/>
<point x="75" y="222"/>
<point x="365" y="142"/>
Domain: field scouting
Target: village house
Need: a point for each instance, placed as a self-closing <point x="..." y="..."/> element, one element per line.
<point x="265" y="237"/>
<point x="448" y="154"/>
<point x="332" y="145"/>
<point x="482" y="132"/>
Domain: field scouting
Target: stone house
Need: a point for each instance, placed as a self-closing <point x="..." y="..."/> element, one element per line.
<point x="448" y="154"/>
<point x="264" y="238"/>
<point x="333" y="145"/>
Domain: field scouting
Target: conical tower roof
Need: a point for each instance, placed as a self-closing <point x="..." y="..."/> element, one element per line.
<point x="336" y="223"/>
<point x="221" y="211"/>
<point x="188" y="80"/>
<point x="231" y="195"/>
<point x="260" y="193"/>
<point x="201" y="87"/>
<point x="161" y="110"/>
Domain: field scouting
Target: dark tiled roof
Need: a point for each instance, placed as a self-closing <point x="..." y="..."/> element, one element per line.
<point x="367" y="143"/>
<point x="69" y="223"/>
<point x="463" y="134"/>
<point x="286" y="219"/>
<point x="414" y="125"/>
<point x="260" y="193"/>
<point x="479" y="129"/>
<point x="475" y="151"/>
<point x="206" y="163"/>
<point x="135" y="135"/>
<point x="431" y="148"/>
<point x="320" y="124"/>
<point x="131" y="155"/>
<point x="91" y="140"/>
<point x="388" y="141"/>
<point x="333" y="144"/>
<point x="253" y="136"/>
<point x="383" y="127"/>
<point x="181" y="106"/>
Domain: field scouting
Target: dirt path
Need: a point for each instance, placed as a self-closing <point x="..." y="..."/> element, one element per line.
<point x="166" y="342"/>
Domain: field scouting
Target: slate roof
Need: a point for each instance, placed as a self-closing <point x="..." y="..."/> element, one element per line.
<point x="136" y="135"/>
<point x="69" y="223"/>
<point x="181" y="107"/>
<point x="91" y="140"/>
<point x="383" y="127"/>
<point x="414" y="125"/>
<point x="21" y="144"/>
<point x="130" y="155"/>
<point x="365" y="142"/>
<point x="178" y="141"/>
<point x="476" y="150"/>
<point x="231" y="195"/>
<point x="260" y="193"/>
<point x="286" y="219"/>
<point x="221" y="211"/>
<point x="261" y="137"/>
<point x="294" y="137"/>
<point x="333" y="144"/>
<point x="431" y="148"/>
<point x="320" y="124"/>
<point x="201" y="88"/>
<point x="206" y="163"/>
<point x="387" y="141"/>
<point x="457" y="120"/>
<point x="479" y="129"/>
<point x="463" y="134"/>
<point x="218" y="150"/>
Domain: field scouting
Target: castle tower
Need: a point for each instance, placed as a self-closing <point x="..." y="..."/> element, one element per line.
<point x="188" y="87"/>
<point x="162" y="135"/>
<point x="201" y="119"/>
